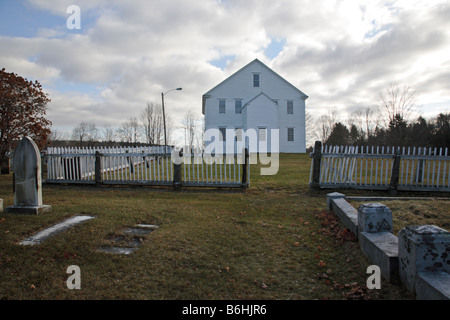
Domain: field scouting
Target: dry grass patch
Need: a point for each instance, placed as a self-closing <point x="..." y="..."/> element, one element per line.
<point x="434" y="211"/>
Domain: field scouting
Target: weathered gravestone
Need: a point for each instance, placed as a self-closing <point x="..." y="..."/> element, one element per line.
<point x="423" y="249"/>
<point x="27" y="179"/>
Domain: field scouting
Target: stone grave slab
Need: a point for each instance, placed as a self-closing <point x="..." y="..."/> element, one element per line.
<point x="120" y="239"/>
<point x="117" y="250"/>
<point x="137" y="231"/>
<point x="123" y="245"/>
<point x="150" y="226"/>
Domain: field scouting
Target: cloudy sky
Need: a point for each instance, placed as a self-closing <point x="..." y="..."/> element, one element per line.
<point x="341" y="53"/>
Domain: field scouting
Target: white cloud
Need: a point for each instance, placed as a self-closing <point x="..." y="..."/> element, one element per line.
<point x="340" y="53"/>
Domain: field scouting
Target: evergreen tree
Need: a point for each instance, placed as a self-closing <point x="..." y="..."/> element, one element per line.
<point x="339" y="135"/>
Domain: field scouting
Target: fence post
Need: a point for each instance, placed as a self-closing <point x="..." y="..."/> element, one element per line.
<point x="42" y="166"/>
<point x="244" y="182"/>
<point x="98" y="168"/>
<point x="317" y="158"/>
<point x="420" y="171"/>
<point x="395" y="175"/>
<point x="177" y="172"/>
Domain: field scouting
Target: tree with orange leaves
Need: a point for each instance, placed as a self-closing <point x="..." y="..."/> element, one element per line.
<point x="23" y="113"/>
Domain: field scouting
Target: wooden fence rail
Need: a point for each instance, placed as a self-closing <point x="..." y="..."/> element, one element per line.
<point x="144" y="166"/>
<point x="380" y="168"/>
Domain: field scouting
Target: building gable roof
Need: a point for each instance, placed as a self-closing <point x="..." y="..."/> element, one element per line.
<point x="257" y="96"/>
<point x="303" y="95"/>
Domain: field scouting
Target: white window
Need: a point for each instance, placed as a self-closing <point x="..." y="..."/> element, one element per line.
<point x="238" y="106"/>
<point x="222" y="106"/>
<point x="256" y="80"/>
<point x="238" y="134"/>
<point x="290" y="107"/>
<point x="290" y="134"/>
<point x="262" y="134"/>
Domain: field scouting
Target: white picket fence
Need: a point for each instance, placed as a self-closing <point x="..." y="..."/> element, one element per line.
<point x="145" y="166"/>
<point x="420" y="169"/>
<point x="215" y="170"/>
<point x="78" y="164"/>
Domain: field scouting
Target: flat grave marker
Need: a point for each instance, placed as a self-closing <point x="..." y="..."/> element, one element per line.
<point x="57" y="228"/>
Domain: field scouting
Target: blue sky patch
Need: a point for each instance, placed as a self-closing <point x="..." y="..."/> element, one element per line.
<point x="71" y="87"/>
<point x="274" y="48"/>
<point x="20" y="19"/>
<point x="376" y="30"/>
<point x="222" y="62"/>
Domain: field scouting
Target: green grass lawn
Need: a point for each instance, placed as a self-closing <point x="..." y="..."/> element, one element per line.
<point x="266" y="242"/>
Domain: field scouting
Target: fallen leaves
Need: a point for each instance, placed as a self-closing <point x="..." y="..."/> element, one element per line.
<point x="227" y="269"/>
<point x="356" y="292"/>
<point x="332" y="226"/>
<point x="349" y="291"/>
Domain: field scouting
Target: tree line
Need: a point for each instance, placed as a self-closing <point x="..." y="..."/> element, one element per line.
<point x="434" y="132"/>
<point x="395" y="121"/>
<point x="145" y="129"/>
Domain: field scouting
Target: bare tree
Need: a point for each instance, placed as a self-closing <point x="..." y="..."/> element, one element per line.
<point x="134" y="124"/>
<point x="152" y="123"/>
<point x="310" y="129"/>
<point x="109" y="133"/>
<point x="366" y="120"/>
<point x="57" y="135"/>
<point x="395" y="101"/>
<point x="200" y="136"/>
<point x="129" y="130"/>
<point x="85" y="131"/>
<point x="325" y="123"/>
<point x="189" y="125"/>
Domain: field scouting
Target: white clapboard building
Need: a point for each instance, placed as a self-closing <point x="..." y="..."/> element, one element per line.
<point x="257" y="108"/>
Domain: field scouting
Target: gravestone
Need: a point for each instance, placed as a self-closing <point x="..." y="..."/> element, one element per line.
<point x="375" y="226"/>
<point x="27" y="179"/>
<point x="422" y="249"/>
<point x="374" y="217"/>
